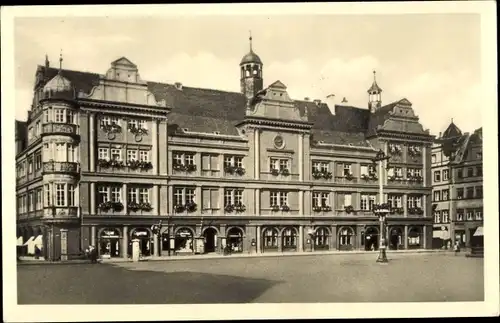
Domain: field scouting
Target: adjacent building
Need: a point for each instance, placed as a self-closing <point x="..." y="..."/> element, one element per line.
<point x="457" y="187"/>
<point x="103" y="158"/>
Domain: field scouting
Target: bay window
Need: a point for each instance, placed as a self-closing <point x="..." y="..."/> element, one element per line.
<point x="59" y="115"/>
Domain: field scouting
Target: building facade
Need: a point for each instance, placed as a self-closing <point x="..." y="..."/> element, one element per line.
<point x="457" y="187"/>
<point x="103" y="158"/>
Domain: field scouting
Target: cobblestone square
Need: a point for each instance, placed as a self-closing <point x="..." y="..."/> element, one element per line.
<point x="291" y="279"/>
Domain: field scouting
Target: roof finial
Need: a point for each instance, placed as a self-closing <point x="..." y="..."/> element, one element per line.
<point x="451" y="120"/>
<point x="374" y="76"/>
<point x="250" y="39"/>
<point x="60" y="61"/>
<point x="47" y="63"/>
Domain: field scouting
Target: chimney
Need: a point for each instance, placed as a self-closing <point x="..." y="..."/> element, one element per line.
<point x="306" y="98"/>
<point x="178" y="86"/>
<point x="344" y="100"/>
<point x="47" y="63"/>
<point x="440" y="133"/>
<point x="317" y="102"/>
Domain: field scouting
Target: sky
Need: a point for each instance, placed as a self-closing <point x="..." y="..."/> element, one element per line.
<point x="433" y="60"/>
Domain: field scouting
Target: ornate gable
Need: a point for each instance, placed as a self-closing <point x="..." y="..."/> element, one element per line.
<point x="124" y="70"/>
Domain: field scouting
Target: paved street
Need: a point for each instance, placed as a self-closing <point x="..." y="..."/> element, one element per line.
<point x="315" y="278"/>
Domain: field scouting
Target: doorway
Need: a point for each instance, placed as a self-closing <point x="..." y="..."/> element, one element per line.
<point x="210" y="236"/>
<point x="395" y="239"/>
<point x="371" y="239"/>
<point x="235" y="239"/>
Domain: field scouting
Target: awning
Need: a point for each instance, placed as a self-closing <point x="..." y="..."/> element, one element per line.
<point x="437" y="234"/>
<point x="479" y="232"/>
<point x="20" y="241"/>
<point x="29" y="241"/>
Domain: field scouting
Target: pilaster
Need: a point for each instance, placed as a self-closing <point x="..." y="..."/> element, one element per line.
<point x="125" y="242"/>
<point x="92" y="210"/>
<point x="125" y="198"/>
<point x="92" y="149"/>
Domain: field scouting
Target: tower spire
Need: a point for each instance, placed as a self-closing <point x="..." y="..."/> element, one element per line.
<point x="47" y="63"/>
<point x="250" y="39"/>
<point x="60" y="61"/>
<point x="374" y="76"/>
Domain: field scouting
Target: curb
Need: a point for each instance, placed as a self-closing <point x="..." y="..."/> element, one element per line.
<point x="218" y="256"/>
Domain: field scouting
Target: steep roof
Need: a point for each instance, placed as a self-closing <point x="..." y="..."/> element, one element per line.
<point x="378" y="118"/>
<point x="452" y="131"/>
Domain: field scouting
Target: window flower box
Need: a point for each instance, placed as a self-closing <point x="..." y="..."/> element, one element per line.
<point x="117" y="206"/>
<point x="229" y="208"/>
<point x="395" y="149"/>
<point x="240" y="207"/>
<point x="285" y="172"/>
<point x="275" y="208"/>
<point x="349" y="209"/>
<point x="111" y="128"/>
<point x="229" y="169"/>
<point x="317" y="208"/>
<point x="105" y="206"/>
<point x="104" y="163"/>
<point x="326" y="208"/>
<point x="327" y="175"/>
<point x="381" y="207"/>
<point x="179" y="167"/>
<point x="134" y="206"/>
<point x="190" y="168"/>
<point x="373" y="176"/>
<point x="145" y="165"/>
<point x="349" y="176"/>
<point x="116" y="163"/>
<point x="285" y="208"/>
<point x="179" y="208"/>
<point x="145" y="206"/>
<point x="240" y="171"/>
<point x="317" y="175"/>
<point x="191" y="207"/>
<point x="138" y="131"/>
<point x="365" y="177"/>
<point x="133" y="164"/>
<point x="275" y="172"/>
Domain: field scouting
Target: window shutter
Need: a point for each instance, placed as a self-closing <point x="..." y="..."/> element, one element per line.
<point x="206" y="199"/>
<point x="205" y="162"/>
<point x="339" y="199"/>
<point x="348" y="199"/>
<point x="339" y="169"/>
<point x="214" y="162"/>
<point x="214" y="195"/>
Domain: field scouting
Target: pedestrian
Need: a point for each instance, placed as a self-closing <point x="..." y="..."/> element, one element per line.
<point x="93" y="255"/>
<point x="457" y="247"/>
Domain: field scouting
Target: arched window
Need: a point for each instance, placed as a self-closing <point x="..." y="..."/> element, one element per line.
<point x="289" y="238"/>
<point x="346" y="237"/>
<point x="322" y="238"/>
<point x="414" y="238"/>
<point x="270" y="238"/>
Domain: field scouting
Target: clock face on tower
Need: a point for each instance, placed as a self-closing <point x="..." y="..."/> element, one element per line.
<point x="279" y="142"/>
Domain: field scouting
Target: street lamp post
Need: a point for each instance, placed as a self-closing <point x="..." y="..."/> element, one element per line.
<point x="156" y="228"/>
<point x="382" y="209"/>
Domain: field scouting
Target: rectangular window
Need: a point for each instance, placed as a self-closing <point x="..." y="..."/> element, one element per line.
<point x="233" y="161"/>
<point x="470" y="192"/>
<point x="460" y="173"/>
<point x="446" y="216"/>
<point x="460" y="214"/>
<point x="321" y="199"/>
<point x="479" y="171"/>
<point x="188" y="159"/>
<point x="132" y="195"/>
<point x="395" y="201"/>
<point x="38" y="161"/>
<point x="144" y="155"/>
<point x="320" y="166"/>
<point x="46" y="116"/>
<point x="60" y="153"/>
<point x="104" y="153"/>
<point x="470" y="215"/>
<point x="367" y="201"/>
<point x="437" y="196"/>
<point x="279" y="198"/>
<point x="31" y="201"/>
<point x="178" y="196"/>
<point x="479" y="192"/>
<point x="437" y="176"/>
<point x="414" y="201"/>
<point x="228" y="197"/>
<point x="48" y="197"/>
<point x="30" y="133"/>
<point x="418" y="172"/>
<point x="347" y="171"/>
<point x="72" y="153"/>
<point x="437" y="217"/>
<point x="60" y="194"/>
<point x="210" y="198"/>
<point x="116" y="194"/>
<point x="30" y="166"/>
<point x="116" y="154"/>
<point x="39" y="203"/>
<point x="364" y="169"/>
<point x="59" y="115"/>
<point x="102" y="194"/>
<point x="71" y="195"/>
<point x="69" y="117"/>
<point x="433" y="158"/>
<point x="470" y="172"/>
<point x="446" y="174"/>
<point x="190" y="195"/>
<point x="178" y="159"/>
<point x="445" y="195"/>
<point x="137" y="124"/>
<point x="345" y="199"/>
<point x="479" y="215"/>
<point x="143" y="195"/>
<point x="131" y="155"/>
<point x="109" y="121"/>
<point x="279" y="164"/>
<point x="460" y="193"/>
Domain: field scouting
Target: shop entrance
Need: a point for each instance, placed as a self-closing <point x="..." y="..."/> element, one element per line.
<point x="235" y="239"/>
<point x="395" y="238"/>
<point x="109" y="243"/>
<point x="210" y="236"/>
<point x="145" y="241"/>
<point x="371" y="239"/>
<point x="184" y="241"/>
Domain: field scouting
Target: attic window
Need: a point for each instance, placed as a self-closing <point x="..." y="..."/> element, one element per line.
<point x="216" y="133"/>
<point x="185" y="129"/>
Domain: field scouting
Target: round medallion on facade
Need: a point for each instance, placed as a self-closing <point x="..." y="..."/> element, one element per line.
<point x="138" y="137"/>
<point x="279" y="142"/>
<point x="111" y="135"/>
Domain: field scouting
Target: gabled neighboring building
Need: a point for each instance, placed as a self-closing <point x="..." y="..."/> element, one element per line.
<point x="457" y="187"/>
<point x="255" y="169"/>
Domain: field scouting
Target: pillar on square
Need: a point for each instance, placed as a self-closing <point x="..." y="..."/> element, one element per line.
<point x="125" y="242"/>
<point x="156" y="245"/>
<point x="359" y="228"/>
<point x="92" y="199"/>
<point x="280" y="242"/>
<point x="92" y="149"/>
<point x="333" y="237"/>
<point x="406" y="237"/>
<point x="300" y="246"/>
<point x="258" y="234"/>
<point x="93" y="241"/>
